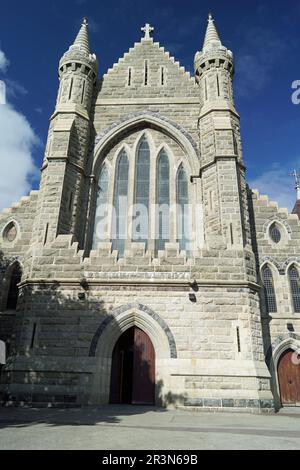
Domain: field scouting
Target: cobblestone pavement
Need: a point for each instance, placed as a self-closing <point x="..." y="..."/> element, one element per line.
<point x="122" y="427"/>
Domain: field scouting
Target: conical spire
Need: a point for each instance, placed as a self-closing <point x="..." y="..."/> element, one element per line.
<point x="82" y="40"/>
<point x="296" y="209"/>
<point x="80" y="51"/>
<point x="212" y="38"/>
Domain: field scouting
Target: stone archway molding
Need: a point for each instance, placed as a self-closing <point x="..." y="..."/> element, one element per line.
<point x="154" y="120"/>
<point x="280" y="345"/>
<point x="129" y="315"/>
<point x="276" y="350"/>
<point x="107" y="335"/>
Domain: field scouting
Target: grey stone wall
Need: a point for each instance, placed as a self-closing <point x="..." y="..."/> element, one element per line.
<point x="211" y="304"/>
<point x="279" y="257"/>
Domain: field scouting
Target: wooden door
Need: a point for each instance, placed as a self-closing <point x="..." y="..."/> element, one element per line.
<point x="133" y="369"/>
<point x="122" y="370"/>
<point x="143" y="392"/>
<point x="13" y="293"/>
<point x="289" y="378"/>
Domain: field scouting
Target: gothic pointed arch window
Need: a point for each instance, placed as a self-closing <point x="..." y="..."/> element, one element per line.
<point x="183" y="211"/>
<point x="120" y="204"/>
<point x="10" y="232"/>
<point x="270" y="294"/>
<point x="275" y="233"/>
<point x="294" y="278"/>
<point x="101" y="218"/>
<point x="142" y="193"/>
<point x="13" y="290"/>
<point x="162" y="201"/>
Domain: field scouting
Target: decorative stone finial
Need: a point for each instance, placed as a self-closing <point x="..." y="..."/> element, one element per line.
<point x="82" y="39"/>
<point x="296" y="175"/>
<point x="212" y="38"/>
<point x="85" y="21"/>
<point x="80" y="50"/>
<point x="147" y="29"/>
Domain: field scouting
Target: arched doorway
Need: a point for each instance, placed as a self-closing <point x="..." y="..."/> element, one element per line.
<point x="133" y="369"/>
<point x="289" y="378"/>
<point x="2" y="356"/>
<point x="13" y="292"/>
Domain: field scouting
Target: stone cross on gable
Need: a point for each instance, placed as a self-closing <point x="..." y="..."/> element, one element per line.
<point x="147" y="29"/>
<point x="296" y="175"/>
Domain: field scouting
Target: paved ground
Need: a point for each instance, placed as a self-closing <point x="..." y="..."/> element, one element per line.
<point x="121" y="428"/>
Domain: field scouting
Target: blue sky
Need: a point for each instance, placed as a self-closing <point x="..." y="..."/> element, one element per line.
<point x="263" y="35"/>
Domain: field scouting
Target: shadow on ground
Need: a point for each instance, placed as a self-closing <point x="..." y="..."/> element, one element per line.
<point x="86" y="416"/>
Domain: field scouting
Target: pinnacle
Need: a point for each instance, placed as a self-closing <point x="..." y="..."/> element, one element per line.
<point x="296" y="175"/>
<point x="82" y="39"/>
<point x="212" y="37"/>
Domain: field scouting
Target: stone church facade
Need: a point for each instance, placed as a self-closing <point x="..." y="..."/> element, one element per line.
<point x="107" y="298"/>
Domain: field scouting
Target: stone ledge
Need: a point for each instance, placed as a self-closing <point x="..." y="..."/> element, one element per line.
<point x="168" y="279"/>
<point x="25" y="200"/>
<point x="226" y="404"/>
<point x="145" y="101"/>
<point x="264" y="200"/>
<point x="40" y="400"/>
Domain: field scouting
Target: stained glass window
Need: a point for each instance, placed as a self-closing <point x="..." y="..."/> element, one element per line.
<point x="275" y="233"/>
<point x="100" y="231"/>
<point x="142" y="192"/>
<point x="121" y="204"/>
<point x="183" y="222"/>
<point x="269" y="290"/>
<point x="295" y="288"/>
<point x="163" y="201"/>
<point x="10" y="233"/>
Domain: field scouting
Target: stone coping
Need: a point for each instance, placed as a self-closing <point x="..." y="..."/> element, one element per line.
<point x="147" y="282"/>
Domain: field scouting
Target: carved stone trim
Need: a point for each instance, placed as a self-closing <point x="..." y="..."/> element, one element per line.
<point x="280" y="339"/>
<point x="281" y="266"/>
<point x="118" y="311"/>
<point x="278" y="219"/>
<point x="148" y="114"/>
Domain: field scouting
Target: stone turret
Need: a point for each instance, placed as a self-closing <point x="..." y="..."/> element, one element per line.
<point x="225" y="199"/>
<point x="214" y="68"/>
<point x="78" y="69"/>
<point x="64" y="184"/>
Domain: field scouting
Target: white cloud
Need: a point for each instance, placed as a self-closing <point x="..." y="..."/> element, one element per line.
<point x="93" y="25"/>
<point x="277" y="184"/>
<point x="14" y="88"/>
<point x="257" y="59"/>
<point x="17" y="166"/>
<point x="4" y="62"/>
<point x="17" y="141"/>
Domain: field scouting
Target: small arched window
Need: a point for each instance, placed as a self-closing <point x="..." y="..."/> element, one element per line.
<point x="183" y="211"/>
<point x="270" y="294"/>
<point x="163" y="201"/>
<point x="142" y="194"/>
<point x="101" y="219"/>
<point x="120" y="204"/>
<point x="295" y="288"/>
<point x="275" y="233"/>
<point x="10" y="232"/>
<point x="13" y="292"/>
